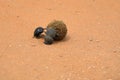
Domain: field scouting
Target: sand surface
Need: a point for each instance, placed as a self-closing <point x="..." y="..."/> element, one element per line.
<point x="90" y="51"/>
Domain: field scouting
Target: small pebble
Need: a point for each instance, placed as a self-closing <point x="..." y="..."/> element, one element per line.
<point x="91" y="40"/>
<point x="18" y="16"/>
<point x="49" y="9"/>
<point x="97" y="41"/>
<point x="46" y="67"/>
<point x="99" y="23"/>
<point x="68" y="79"/>
<point x="114" y="51"/>
<point x="19" y="45"/>
<point x="10" y="45"/>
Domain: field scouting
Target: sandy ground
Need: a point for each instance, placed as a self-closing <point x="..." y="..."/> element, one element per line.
<point x="90" y="51"/>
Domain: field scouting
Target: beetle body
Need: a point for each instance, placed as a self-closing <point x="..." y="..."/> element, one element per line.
<point x="38" y="32"/>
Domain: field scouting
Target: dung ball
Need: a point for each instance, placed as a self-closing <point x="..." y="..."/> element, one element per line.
<point x="59" y="27"/>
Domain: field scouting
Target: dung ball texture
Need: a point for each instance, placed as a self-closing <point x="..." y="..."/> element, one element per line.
<point x="60" y="28"/>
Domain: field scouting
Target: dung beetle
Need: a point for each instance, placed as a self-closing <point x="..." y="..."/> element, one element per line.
<point x="54" y="31"/>
<point x="50" y="34"/>
<point x="38" y="32"/>
<point x="48" y="40"/>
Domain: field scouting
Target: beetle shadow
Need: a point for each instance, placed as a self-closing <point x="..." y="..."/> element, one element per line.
<point x="39" y="37"/>
<point x="67" y="38"/>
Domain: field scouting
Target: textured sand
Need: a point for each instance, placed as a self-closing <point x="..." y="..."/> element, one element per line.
<point x="90" y="51"/>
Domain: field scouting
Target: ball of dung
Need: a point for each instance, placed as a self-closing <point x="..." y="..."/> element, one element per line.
<point x="60" y="28"/>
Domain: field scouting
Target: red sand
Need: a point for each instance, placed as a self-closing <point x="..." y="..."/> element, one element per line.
<point x="90" y="51"/>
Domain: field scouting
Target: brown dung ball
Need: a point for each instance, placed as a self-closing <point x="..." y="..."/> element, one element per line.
<point x="60" y="28"/>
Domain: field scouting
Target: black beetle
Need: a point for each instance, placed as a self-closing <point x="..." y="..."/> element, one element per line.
<point x="38" y="32"/>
